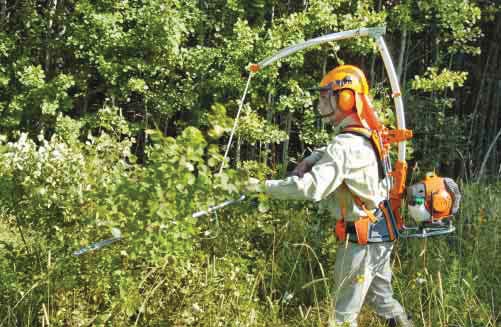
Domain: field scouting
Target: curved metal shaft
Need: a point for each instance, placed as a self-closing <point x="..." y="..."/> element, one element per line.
<point x="395" y="89"/>
<point x="375" y="32"/>
<point x="372" y="31"/>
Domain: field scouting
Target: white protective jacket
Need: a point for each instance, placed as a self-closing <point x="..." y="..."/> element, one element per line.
<point x="348" y="164"/>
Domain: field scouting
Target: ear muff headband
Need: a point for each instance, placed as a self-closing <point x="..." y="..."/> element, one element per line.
<point x="346" y="100"/>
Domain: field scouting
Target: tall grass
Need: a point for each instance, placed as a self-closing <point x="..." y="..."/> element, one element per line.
<point x="452" y="280"/>
<point x="276" y="270"/>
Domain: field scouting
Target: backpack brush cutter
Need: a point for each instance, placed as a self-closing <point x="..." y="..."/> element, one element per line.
<point x="431" y="203"/>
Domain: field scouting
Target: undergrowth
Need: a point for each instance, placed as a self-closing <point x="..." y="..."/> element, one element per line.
<point x="261" y="263"/>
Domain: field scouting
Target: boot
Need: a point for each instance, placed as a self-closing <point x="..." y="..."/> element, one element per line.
<point x="402" y="320"/>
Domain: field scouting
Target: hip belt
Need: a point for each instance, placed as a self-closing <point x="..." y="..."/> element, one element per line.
<point x="379" y="227"/>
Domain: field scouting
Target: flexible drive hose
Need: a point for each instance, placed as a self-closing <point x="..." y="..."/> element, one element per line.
<point x="241" y="105"/>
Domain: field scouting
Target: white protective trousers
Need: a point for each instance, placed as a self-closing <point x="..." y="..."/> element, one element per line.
<point x="345" y="168"/>
<point x="362" y="274"/>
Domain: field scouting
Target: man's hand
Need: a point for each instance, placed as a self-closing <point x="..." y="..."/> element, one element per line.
<point x="254" y="185"/>
<point x="302" y="168"/>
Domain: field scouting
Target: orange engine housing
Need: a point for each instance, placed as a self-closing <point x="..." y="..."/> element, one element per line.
<point x="438" y="200"/>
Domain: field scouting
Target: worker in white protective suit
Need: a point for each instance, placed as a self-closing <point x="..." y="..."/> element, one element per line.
<point x="347" y="175"/>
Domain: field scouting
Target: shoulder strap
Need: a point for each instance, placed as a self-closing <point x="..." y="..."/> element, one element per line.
<point x="377" y="145"/>
<point x="375" y="140"/>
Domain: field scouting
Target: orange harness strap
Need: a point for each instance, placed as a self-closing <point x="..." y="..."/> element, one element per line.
<point x="376" y="142"/>
<point x="361" y="204"/>
<point x="361" y="224"/>
<point x="341" y="224"/>
<point x="378" y="148"/>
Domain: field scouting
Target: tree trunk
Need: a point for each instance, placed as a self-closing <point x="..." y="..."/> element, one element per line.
<point x="401" y="56"/>
<point x="269" y="119"/>
<point x="166" y="126"/>
<point x="3" y="11"/>
<point x="483" y="124"/>
<point x="495" y="120"/>
<point x="480" y="90"/>
<point x="285" y="148"/>
<point x="86" y="103"/>
<point x="492" y="54"/>
<point x="487" y="132"/>
<point x="491" y="146"/>
<point x="48" y="38"/>
<point x="374" y="55"/>
<point x="320" y="123"/>
<point x="405" y="69"/>
<point x="238" y="150"/>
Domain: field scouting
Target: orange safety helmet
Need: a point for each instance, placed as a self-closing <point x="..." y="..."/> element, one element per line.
<point x="352" y="89"/>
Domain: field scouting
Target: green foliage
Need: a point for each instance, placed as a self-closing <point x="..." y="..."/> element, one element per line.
<point x="252" y="128"/>
<point x="64" y="194"/>
<point x="439" y="135"/>
<point x="311" y="134"/>
<point x="437" y="130"/>
<point x="433" y="81"/>
<point x="38" y="101"/>
<point x="114" y="113"/>
<point x="218" y="121"/>
<point x="457" y="19"/>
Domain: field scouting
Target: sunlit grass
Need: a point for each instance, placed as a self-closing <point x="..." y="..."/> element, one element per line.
<point x="444" y="281"/>
<point x="278" y="272"/>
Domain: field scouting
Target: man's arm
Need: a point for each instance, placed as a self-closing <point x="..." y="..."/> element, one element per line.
<point x="325" y="177"/>
<point x="307" y="163"/>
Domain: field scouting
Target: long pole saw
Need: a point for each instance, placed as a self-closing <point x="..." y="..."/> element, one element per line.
<point x="117" y="236"/>
<point x="217" y="207"/>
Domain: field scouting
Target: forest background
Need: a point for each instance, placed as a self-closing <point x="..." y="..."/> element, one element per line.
<point x="115" y="114"/>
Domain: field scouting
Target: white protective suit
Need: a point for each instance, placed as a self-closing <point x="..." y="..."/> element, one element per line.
<point x="361" y="272"/>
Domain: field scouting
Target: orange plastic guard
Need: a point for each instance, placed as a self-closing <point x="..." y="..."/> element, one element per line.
<point x="399" y="177"/>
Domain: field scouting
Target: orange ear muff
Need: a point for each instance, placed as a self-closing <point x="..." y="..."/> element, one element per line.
<point x="346" y="100"/>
